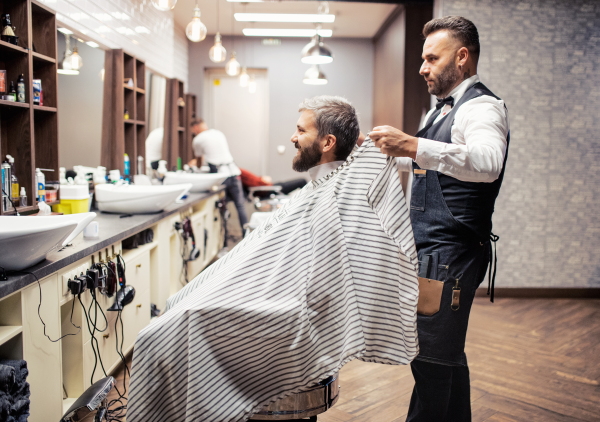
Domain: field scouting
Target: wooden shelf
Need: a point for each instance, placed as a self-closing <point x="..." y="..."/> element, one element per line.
<point x="9" y="331"/>
<point x="140" y="123"/>
<point x="40" y="58"/>
<point x="13" y="104"/>
<point x="140" y="90"/>
<point x="135" y="122"/>
<point x="131" y="88"/>
<point x="8" y="48"/>
<point x="181" y="129"/>
<point x="45" y="108"/>
<point x="22" y="209"/>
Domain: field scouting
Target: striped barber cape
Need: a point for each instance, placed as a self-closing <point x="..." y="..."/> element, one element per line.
<point x="330" y="277"/>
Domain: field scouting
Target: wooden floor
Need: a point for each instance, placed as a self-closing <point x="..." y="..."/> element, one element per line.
<point x="530" y="361"/>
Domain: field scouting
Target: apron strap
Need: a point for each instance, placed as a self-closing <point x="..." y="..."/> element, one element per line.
<point x="492" y="275"/>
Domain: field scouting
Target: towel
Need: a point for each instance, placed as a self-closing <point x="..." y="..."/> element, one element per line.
<point x="330" y="277"/>
<point x="14" y="405"/>
<point x="7" y="378"/>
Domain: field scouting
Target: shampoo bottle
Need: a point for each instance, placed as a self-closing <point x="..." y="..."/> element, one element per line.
<point x="40" y="181"/>
<point x="21" y="89"/>
<point x="126" y="168"/>
<point x="14" y="182"/>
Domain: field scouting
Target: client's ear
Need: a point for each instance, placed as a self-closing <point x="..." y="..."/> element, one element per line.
<point x="329" y="142"/>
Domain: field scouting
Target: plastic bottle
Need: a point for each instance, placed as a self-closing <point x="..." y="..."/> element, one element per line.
<point x="14" y="182"/>
<point x="12" y="94"/>
<point x="126" y="169"/>
<point x="6" y="185"/>
<point x="21" y="89"/>
<point x="162" y="168"/>
<point x="40" y="181"/>
<point x="23" y="197"/>
<point x="62" y="175"/>
<point x="140" y="165"/>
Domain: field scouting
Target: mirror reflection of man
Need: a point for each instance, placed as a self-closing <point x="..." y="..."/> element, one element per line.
<point x="457" y="160"/>
<point x="326" y="133"/>
<point x="210" y="146"/>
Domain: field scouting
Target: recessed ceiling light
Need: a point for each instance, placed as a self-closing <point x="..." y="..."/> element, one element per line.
<point x="65" y="31"/>
<point x="92" y="44"/>
<point x="245" y="1"/>
<point x="136" y="42"/>
<point x="284" y="17"/>
<point x="258" y="32"/>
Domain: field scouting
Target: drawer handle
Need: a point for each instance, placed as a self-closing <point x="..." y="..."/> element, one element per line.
<point x="139" y="305"/>
<point x="105" y="335"/>
<point x="138" y="266"/>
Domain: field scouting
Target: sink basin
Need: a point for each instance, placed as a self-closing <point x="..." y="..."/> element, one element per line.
<point x="25" y="241"/>
<point x="136" y="199"/>
<point x="200" y="181"/>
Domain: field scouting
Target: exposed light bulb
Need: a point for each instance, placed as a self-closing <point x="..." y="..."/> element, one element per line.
<point x="233" y="66"/>
<point x="217" y="52"/>
<point x="244" y="78"/>
<point x="314" y="76"/>
<point x="75" y="59"/>
<point x="196" y="30"/>
<point x="252" y="85"/>
<point x="164" y="5"/>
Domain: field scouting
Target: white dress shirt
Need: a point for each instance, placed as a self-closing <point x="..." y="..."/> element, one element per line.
<point x="212" y="146"/>
<point x="478" y="137"/>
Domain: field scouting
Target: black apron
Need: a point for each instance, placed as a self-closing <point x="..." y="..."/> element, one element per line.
<point x="452" y="222"/>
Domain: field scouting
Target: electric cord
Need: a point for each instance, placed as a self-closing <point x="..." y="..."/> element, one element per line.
<point x="118" y="413"/>
<point x="11" y="201"/>
<point x="40" y="316"/>
<point x="93" y="343"/>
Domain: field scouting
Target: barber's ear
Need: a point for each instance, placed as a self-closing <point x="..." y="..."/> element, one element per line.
<point x="329" y="143"/>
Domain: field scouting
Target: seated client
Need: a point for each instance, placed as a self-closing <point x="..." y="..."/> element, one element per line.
<point x="328" y="278"/>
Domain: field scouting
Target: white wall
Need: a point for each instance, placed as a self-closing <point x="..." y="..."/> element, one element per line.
<point x="80" y="109"/>
<point x="350" y="75"/>
<point x="133" y="25"/>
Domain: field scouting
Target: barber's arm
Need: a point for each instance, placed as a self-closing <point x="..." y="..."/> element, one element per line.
<point x="476" y="154"/>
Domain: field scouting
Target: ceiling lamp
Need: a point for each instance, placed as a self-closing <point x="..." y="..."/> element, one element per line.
<point x="252" y="85"/>
<point x="164" y="5"/>
<point x="314" y="76"/>
<point x="233" y="66"/>
<point x="244" y="78"/>
<point x="284" y="17"/>
<point x="196" y="30"/>
<point x="316" y="52"/>
<point x="72" y="60"/>
<point x="268" y="32"/>
<point x="217" y="52"/>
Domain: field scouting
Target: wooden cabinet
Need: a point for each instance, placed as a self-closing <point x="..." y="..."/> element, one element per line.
<point x="124" y="91"/>
<point x="29" y="132"/>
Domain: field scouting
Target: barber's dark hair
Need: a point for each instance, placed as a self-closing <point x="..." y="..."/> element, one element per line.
<point x="335" y="116"/>
<point x="196" y="121"/>
<point x="460" y="28"/>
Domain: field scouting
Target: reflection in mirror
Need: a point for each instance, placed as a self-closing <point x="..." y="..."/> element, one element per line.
<point x="155" y="104"/>
<point x="80" y="104"/>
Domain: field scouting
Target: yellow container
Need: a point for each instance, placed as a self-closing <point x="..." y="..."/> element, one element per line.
<point x="72" y="206"/>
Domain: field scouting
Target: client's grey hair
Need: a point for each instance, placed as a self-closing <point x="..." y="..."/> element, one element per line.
<point x="335" y="116"/>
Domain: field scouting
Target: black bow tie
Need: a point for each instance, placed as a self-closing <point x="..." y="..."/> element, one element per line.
<point x="441" y="102"/>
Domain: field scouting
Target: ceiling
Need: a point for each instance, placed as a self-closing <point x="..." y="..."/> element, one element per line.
<point x="353" y="19"/>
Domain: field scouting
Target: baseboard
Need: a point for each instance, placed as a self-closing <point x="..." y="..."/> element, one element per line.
<point x="542" y="292"/>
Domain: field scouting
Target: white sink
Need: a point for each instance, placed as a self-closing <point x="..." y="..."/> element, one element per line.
<point x="136" y="199"/>
<point x="25" y="241"/>
<point x="200" y="181"/>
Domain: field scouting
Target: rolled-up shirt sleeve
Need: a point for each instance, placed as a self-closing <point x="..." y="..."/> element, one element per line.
<point x="479" y="143"/>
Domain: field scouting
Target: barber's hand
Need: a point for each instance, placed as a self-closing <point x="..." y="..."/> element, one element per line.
<point x="394" y="142"/>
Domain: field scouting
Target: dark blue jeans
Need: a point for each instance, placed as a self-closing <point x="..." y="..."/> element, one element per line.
<point x="442" y="393"/>
<point x="235" y="193"/>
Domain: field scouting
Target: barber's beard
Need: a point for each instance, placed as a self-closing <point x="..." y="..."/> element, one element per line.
<point x="308" y="158"/>
<point x="445" y="81"/>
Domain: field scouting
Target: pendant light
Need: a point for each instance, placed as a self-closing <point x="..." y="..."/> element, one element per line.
<point x="76" y="61"/>
<point x="217" y="52"/>
<point x="164" y="5"/>
<point x="244" y="78"/>
<point x="252" y="85"/>
<point x="232" y="68"/>
<point x="196" y="30"/>
<point x="314" y="76"/>
<point x="64" y="66"/>
<point x="316" y="51"/>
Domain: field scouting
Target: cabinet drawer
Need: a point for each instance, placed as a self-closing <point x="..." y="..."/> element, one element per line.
<point x="108" y="351"/>
<point x="136" y="315"/>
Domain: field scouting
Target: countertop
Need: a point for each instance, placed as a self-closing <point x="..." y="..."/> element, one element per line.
<point x="112" y="229"/>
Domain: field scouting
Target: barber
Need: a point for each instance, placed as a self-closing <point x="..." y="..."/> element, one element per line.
<point x="457" y="160"/>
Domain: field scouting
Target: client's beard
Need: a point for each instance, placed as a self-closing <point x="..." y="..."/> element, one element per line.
<point x="308" y="158"/>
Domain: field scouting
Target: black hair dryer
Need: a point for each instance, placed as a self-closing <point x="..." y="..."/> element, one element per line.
<point x="124" y="297"/>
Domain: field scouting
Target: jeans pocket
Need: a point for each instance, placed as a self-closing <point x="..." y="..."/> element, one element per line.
<point x="419" y="190"/>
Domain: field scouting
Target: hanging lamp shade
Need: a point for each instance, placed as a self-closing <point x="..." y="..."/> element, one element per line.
<point x="75" y="60"/>
<point x="196" y="30"/>
<point x="316" y="52"/>
<point x="244" y="78"/>
<point x="314" y="76"/>
<point x="217" y="52"/>
<point x="232" y="68"/>
<point x="164" y="5"/>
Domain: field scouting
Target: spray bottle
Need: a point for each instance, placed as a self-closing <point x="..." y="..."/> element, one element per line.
<point x="40" y="182"/>
<point x="14" y="181"/>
